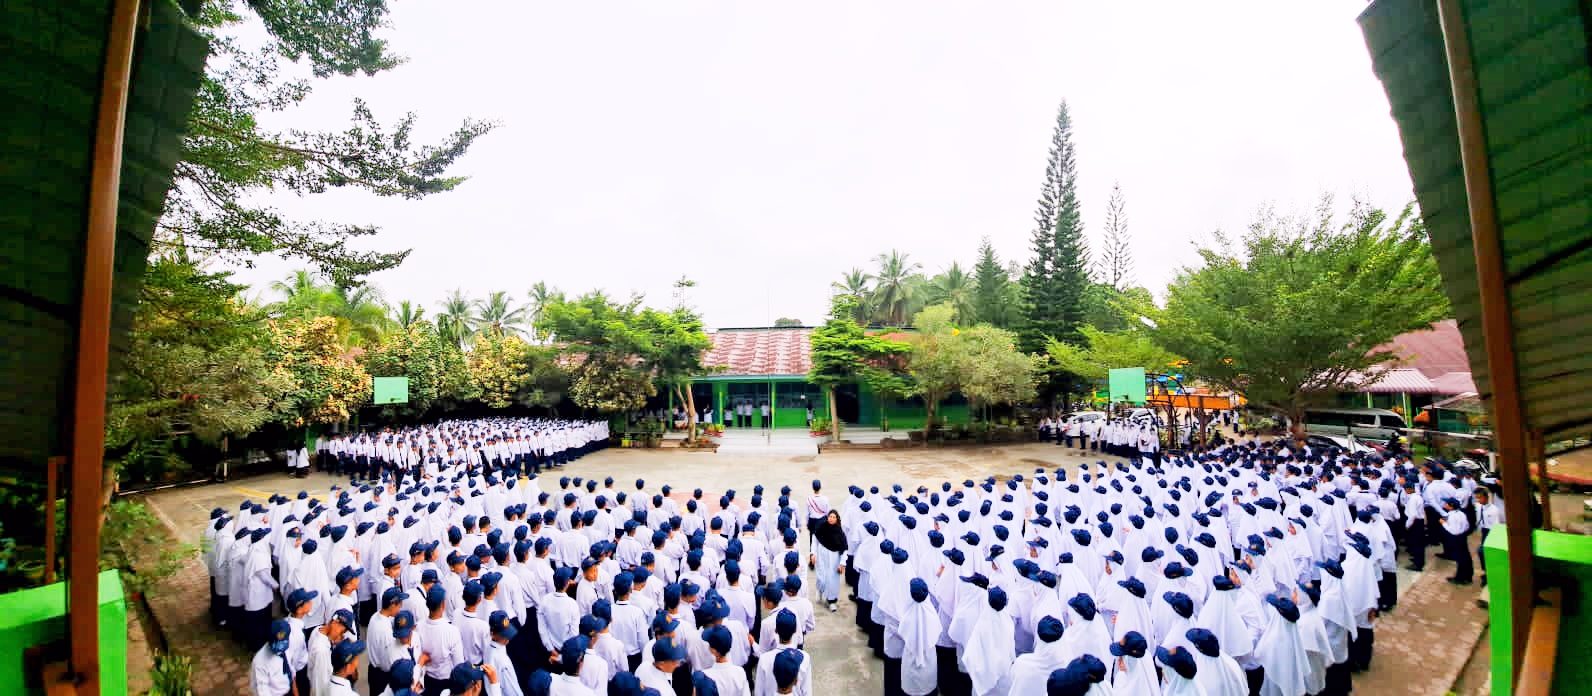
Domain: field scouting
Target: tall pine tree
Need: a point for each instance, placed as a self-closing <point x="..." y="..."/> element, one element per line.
<point x="990" y="288"/>
<point x="1116" y="254"/>
<point x="1057" y="276"/>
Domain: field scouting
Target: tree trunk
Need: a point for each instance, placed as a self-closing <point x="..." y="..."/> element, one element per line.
<point x="929" y="406"/>
<point x="690" y="412"/>
<point x="1296" y="425"/>
<point x="834" y="416"/>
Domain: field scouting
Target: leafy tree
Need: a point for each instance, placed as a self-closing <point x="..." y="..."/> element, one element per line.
<point x="456" y="321"/>
<point x="546" y="381"/>
<point x="1288" y="314"/>
<point x="498" y="368"/>
<point x="500" y="315"/>
<point x="1103" y="350"/>
<point x="228" y="158"/>
<point x="675" y="344"/>
<point x="435" y="367"/>
<point x="892" y="292"/>
<point x="361" y="317"/>
<point x="1109" y="309"/>
<point x="992" y="287"/>
<point x="787" y="322"/>
<point x="606" y="348"/>
<point x="1056" y="277"/>
<point x="1116" y="252"/>
<point x="327" y="384"/>
<point x="938" y="360"/>
<point x="196" y="364"/>
<point x="955" y="287"/>
<point x="997" y="372"/>
<point x="844" y="353"/>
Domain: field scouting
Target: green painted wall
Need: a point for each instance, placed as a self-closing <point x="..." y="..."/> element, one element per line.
<point x="37" y="616"/>
<point x="1560" y="559"/>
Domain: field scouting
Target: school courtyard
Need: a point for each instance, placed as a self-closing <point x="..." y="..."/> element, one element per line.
<point x="1422" y="648"/>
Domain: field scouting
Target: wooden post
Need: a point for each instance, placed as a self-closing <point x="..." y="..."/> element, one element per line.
<point x="1497" y="325"/>
<point x="52" y="494"/>
<point x="1539" y="452"/>
<point x="93" y="353"/>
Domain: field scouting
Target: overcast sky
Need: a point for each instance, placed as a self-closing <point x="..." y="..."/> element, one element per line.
<point x="764" y="148"/>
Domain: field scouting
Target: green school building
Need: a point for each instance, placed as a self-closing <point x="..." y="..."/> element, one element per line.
<point x="769" y="365"/>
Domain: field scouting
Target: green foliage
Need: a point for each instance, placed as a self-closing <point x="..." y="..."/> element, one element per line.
<point x="172" y="676"/>
<point x="498" y="368"/>
<point x="955" y="287"/>
<point x="619" y="350"/>
<point x="196" y="366"/>
<point x="997" y="372"/>
<point x="228" y="158"/>
<point x="500" y="314"/>
<point x="856" y="284"/>
<point x="328" y="384"/>
<point x="1103" y="350"/>
<point x="787" y="321"/>
<point x="457" y="320"/>
<point x="1056" y="277"/>
<point x="937" y="362"/>
<point x="1109" y="309"/>
<point x="360" y="314"/>
<point x="132" y="540"/>
<point x="992" y="288"/>
<point x="435" y="367"/>
<point x="844" y="353"/>
<point x="1116" y="252"/>
<point x="893" y="289"/>
<point x="1290" y="313"/>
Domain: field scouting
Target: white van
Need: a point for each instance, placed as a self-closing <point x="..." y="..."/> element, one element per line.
<point x="1364" y="423"/>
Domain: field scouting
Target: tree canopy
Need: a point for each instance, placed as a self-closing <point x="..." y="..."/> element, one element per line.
<point x="844" y="353"/>
<point x="1293" y="310"/>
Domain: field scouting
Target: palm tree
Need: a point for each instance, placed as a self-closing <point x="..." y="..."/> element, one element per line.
<point x="407" y="314"/>
<point x="501" y="316"/>
<point x="541" y="296"/>
<point x="956" y="287"/>
<point x="456" y="321"/>
<point x="302" y="293"/>
<point x="854" y="284"/>
<point x="361" y="316"/>
<point x="892" y="293"/>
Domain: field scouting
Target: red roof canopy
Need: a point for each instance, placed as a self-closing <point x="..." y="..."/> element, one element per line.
<point x="1436" y="351"/>
<point x="761" y="352"/>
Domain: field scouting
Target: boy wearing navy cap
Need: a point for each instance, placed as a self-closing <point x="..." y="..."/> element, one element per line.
<point x="269" y="673"/>
<point x="1456" y="528"/>
<point x="503" y="631"/>
<point x="379" y="637"/>
<point x="440" y="642"/>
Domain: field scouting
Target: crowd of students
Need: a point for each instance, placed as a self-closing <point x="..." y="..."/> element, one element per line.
<point x="1246" y="569"/>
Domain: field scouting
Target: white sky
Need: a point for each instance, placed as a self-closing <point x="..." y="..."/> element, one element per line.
<point x="764" y="148"/>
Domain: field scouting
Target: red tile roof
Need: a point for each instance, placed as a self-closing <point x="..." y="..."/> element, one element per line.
<point x="760" y="352"/>
<point x="1398" y="380"/>
<point x="1435" y="352"/>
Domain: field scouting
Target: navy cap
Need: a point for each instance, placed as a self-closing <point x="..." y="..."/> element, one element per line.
<point x="346" y="651"/>
<point x="1204" y="641"/>
<point x="1180" y="603"/>
<point x="571" y="653"/>
<point x="463" y="677"/>
<point x="403" y="624"/>
<point x="347" y="574"/>
<point x="298" y="597"/>
<point x="703" y="685"/>
<point x="1050" y="629"/>
<point x="719" y="639"/>
<point x="668" y="649"/>
<point x="1285" y="607"/>
<point x="1178" y="660"/>
<point x="1132" y="644"/>
<point x="280" y="632"/>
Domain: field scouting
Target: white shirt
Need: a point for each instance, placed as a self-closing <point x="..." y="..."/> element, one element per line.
<point x="508" y="683"/>
<point x="565" y="685"/>
<point x="267" y="676"/>
<point x="338" y="686"/>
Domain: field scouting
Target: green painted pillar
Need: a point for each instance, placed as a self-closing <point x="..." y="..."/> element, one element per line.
<point x="773" y="404"/>
<point x="718" y="401"/>
<point x="1368" y="402"/>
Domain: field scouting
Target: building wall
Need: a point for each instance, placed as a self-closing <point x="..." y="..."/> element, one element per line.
<point x="789" y="408"/>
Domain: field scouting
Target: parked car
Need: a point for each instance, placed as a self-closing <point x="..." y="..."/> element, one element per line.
<point x="1344" y="442"/>
<point x="1083" y="417"/>
<point x="1364" y="423"/>
<point x="1144" y="416"/>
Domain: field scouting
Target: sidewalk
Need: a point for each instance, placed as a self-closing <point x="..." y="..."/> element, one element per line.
<point x="181" y="606"/>
<point x="1423" y="645"/>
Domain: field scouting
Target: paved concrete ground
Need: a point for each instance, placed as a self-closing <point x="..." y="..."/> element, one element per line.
<point x="1421" y="647"/>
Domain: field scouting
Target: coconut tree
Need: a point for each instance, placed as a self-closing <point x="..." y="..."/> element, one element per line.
<point x="855" y="284"/>
<point x="892" y="291"/>
<point x="540" y="297"/>
<point x="303" y="294"/>
<point x="361" y="316"/>
<point x="407" y="314"/>
<point x="457" y="320"/>
<point x="955" y="287"/>
<point x="501" y="316"/>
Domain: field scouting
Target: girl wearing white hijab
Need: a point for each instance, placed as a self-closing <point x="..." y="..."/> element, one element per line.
<point x="1132" y="675"/>
<point x="1282" y="652"/>
<point x="1340" y="625"/>
<point x="1314" y="633"/>
<point x="1223" y="616"/>
<point x="1126" y="609"/>
<point x="990" y="649"/>
<point x="1178" y="672"/>
<point x="920" y="628"/>
<point x="1219" y="674"/>
<point x="1086" y="634"/>
<point x="1030" y="672"/>
<point x="1171" y="619"/>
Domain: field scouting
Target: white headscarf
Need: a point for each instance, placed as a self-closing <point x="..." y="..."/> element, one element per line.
<point x="1221" y="616"/>
<point x="990" y="650"/>
<point x="920" y="628"/>
<point x="1282" y="655"/>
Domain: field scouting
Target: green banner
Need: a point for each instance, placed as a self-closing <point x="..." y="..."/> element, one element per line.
<point x="1127" y="385"/>
<point x="395" y="390"/>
